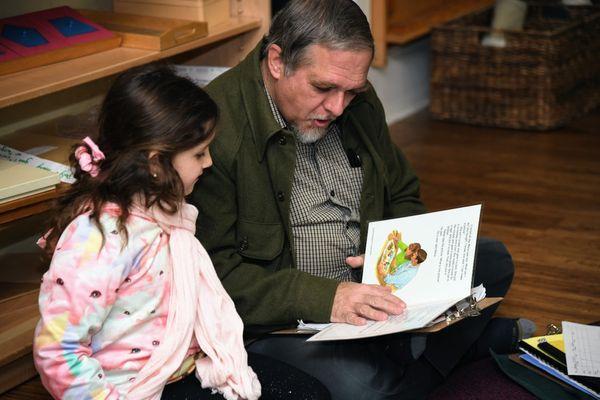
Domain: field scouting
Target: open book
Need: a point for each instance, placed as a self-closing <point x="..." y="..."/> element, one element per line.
<point x="427" y="260"/>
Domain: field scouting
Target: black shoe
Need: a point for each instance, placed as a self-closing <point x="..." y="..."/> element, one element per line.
<point x="502" y="335"/>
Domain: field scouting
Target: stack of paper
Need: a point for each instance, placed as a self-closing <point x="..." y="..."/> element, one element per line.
<point x="18" y="180"/>
<point x="550" y="354"/>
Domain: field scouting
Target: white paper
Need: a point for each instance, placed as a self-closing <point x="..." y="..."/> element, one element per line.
<point x="430" y="287"/>
<point x="477" y="293"/>
<point x="449" y="239"/>
<point x="412" y="318"/>
<point x="582" y="349"/>
<point x="63" y="171"/>
<point x="199" y="74"/>
<point x="310" y="327"/>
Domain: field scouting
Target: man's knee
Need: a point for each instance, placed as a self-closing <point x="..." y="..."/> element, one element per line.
<point x="350" y="370"/>
<point x="495" y="268"/>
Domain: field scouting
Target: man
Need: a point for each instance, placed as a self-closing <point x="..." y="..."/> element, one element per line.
<point x="302" y="161"/>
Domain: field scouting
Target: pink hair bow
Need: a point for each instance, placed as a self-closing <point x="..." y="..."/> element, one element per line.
<point x="89" y="162"/>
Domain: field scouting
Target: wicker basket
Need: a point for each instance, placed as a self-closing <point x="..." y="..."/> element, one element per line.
<point x="547" y="74"/>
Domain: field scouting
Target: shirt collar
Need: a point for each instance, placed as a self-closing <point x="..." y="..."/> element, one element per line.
<point x="276" y="114"/>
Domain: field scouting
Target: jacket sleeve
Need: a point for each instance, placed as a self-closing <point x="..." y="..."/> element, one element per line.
<point x="76" y="296"/>
<point x="263" y="295"/>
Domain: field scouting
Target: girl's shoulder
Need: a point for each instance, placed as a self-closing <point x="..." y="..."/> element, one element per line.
<point x="85" y="234"/>
<point x="83" y="229"/>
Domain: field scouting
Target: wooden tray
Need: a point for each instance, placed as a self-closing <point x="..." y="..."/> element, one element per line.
<point x="54" y="44"/>
<point x="149" y="33"/>
<point x="54" y="56"/>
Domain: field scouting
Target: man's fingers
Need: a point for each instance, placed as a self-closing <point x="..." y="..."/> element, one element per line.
<point x="388" y="306"/>
<point x="369" y="312"/>
<point x="393" y="305"/>
<point x="356" y="303"/>
<point x="354" y="319"/>
<point x="355" y="261"/>
<point x="382" y="299"/>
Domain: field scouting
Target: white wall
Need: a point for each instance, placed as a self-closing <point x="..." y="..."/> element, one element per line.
<point x="403" y="85"/>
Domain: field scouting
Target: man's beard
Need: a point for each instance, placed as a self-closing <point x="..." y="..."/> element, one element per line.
<point x="310" y="135"/>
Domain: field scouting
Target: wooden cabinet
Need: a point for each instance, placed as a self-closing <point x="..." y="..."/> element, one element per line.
<point x="399" y="22"/>
<point x="225" y="44"/>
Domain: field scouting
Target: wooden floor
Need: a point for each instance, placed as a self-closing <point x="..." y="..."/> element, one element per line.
<point x="541" y="196"/>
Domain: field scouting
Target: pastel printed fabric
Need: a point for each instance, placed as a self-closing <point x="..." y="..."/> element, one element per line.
<point x="103" y="307"/>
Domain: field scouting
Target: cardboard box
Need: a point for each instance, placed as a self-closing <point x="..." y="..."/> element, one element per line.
<point x="213" y="12"/>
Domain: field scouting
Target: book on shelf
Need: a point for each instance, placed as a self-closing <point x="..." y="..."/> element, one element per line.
<point x="428" y="261"/>
<point x="19" y="180"/>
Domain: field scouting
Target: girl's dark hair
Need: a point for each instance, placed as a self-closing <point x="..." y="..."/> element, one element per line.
<point x="147" y="109"/>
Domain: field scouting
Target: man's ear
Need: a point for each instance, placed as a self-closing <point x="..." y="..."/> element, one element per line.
<point x="275" y="62"/>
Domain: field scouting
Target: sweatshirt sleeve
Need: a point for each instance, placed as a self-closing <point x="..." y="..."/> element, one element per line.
<point x="76" y="295"/>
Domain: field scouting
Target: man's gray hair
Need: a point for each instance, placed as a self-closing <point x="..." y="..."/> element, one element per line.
<point x="335" y="24"/>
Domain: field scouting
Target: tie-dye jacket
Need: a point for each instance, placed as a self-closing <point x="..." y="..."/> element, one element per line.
<point x="103" y="307"/>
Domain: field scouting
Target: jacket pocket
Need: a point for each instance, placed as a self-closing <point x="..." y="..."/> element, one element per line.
<point x="260" y="241"/>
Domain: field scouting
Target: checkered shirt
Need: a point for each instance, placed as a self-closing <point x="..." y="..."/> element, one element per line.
<point x="324" y="205"/>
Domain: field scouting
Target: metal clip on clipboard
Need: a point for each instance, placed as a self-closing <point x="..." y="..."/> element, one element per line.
<point x="462" y="310"/>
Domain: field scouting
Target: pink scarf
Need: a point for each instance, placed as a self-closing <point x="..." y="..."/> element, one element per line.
<point x="200" y="306"/>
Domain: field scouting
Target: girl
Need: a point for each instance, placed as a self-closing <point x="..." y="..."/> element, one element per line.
<point x="131" y="301"/>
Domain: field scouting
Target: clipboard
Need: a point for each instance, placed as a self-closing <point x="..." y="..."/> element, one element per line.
<point x="453" y="316"/>
<point x="473" y="310"/>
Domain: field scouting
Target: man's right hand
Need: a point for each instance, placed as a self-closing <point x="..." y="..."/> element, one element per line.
<point x="355" y="303"/>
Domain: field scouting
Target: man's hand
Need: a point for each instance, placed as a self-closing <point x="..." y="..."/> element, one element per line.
<point x="355" y="303"/>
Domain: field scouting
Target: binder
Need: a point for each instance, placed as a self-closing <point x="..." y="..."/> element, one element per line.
<point x="535" y="352"/>
<point x="450" y="317"/>
<point x="455" y="314"/>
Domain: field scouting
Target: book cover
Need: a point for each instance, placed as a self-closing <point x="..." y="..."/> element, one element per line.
<point x="18" y="180"/>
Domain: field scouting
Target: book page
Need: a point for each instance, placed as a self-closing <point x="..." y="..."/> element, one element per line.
<point x="199" y="74"/>
<point x="582" y="345"/>
<point x="413" y="318"/>
<point x="425" y="258"/>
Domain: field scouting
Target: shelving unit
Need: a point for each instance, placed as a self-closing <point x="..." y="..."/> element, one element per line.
<point x="409" y="21"/>
<point x="396" y="22"/>
<point x="32" y="83"/>
<point x="18" y="301"/>
<point x="30" y="205"/>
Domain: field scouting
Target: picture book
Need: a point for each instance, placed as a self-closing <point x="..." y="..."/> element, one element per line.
<point x="426" y="260"/>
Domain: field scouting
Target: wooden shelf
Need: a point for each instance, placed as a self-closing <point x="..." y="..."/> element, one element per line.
<point x="18" y="301"/>
<point x="36" y="82"/>
<point x="30" y="205"/>
<point x="19" y="315"/>
<point x="408" y="22"/>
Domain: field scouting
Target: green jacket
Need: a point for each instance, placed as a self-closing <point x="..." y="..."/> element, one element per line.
<point x="244" y="204"/>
